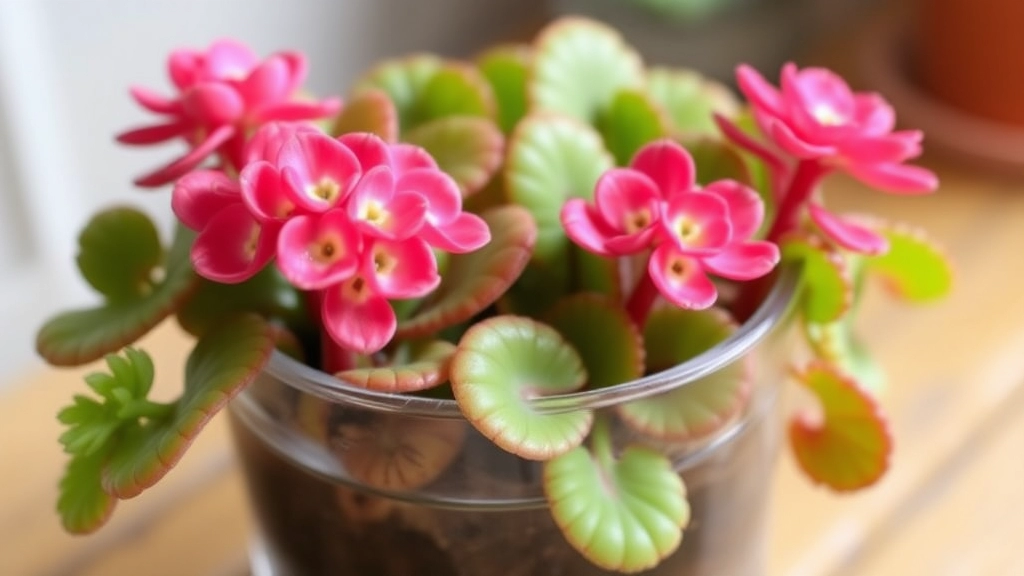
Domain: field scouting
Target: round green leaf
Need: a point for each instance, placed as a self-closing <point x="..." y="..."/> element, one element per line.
<point x="503" y="362"/>
<point x="673" y="336"/>
<point x="224" y="361"/>
<point x="119" y="251"/>
<point x="454" y="90"/>
<point x="914" y="268"/>
<point x="579" y="66"/>
<point x="606" y="339"/>
<point x="474" y="281"/>
<point x="416" y="366"/>
<point x="506" y="68"/>
<point x="845" y="445"/>
<point x="267" y="293"/>
<point x="469" y="149"/>
<point x="827" y="291"/>
<point x="691" y="100"/>
<point x="551" y="159"/>
<point x="403" y="80"/>
<point x="83" y="505"/>
<point x="630" y="121"/>
<point x="81" y="336"/>
<point x="370" y="110"/>
<point x="625" y="515"/>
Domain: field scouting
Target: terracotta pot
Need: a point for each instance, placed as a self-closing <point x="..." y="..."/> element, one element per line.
<point x="969" y="54"/>
<point x="320" y="463"/>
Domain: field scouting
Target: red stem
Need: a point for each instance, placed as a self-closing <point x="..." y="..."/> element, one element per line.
<point x="333" y="358"/>
<point x="642" y="299"/>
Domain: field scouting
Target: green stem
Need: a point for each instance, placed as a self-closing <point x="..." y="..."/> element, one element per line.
<point x="601" y="441"/>
<point x="146" y="409"/>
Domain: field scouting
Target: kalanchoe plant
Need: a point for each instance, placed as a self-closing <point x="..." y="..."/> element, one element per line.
<point x="545" y="219"/>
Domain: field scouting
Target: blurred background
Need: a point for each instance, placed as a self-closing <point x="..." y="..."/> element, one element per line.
<point x="66" y="65"/>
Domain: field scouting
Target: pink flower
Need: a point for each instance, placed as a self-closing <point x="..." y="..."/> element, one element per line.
<point x="232" y="245"/>
<point x="656" y="204"/>
<point x="223" y="94"/>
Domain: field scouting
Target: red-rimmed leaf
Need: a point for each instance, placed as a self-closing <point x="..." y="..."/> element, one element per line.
<point x="454" y="90"/>
<point x="631" y="120"/>
<point x="846" y="444"/>
<point x="503" y="362"/>
<point x="416" y="366"/>
<point x="827" y="290"/>
<point x="469" y="149"/>
<point x="574" y="52"/>
<point x="691" y="100"/>
<point x="370" y="110"/>
<point x="604" y="336"/>
<point x="398" y="452"/>
<point x="673" y="336"/>
<point x="403" y="79"/>
<point x="506" y="67"/>
<point x="474" y="281"/>
<point x="915" y="268"/>
<point x="223" y="362"/>
<point x="623" y="515"/>
<point x="267" y="293"/>
<point x="81" y="336"/>
<point x="83" y="505"/>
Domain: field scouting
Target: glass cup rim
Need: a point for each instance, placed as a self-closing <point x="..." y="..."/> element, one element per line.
<point x="769" y="314"/>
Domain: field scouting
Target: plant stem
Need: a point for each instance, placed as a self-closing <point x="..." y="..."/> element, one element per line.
<point x="601" y="442"/>
<point x="146" y="409"/>
<point x="333" y="358"/>
<point x="642" y="299"/>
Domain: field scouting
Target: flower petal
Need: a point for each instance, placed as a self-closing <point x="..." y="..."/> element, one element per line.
<point x="405" y="269"/>
<point x="873" y="114"/>
<point x="408" y="157"/>
<point x="297" y="69"/>
<point x="183" y="68"/>
<point x="584" y="226"/>
<point x="154" y="102"/>
<point x="296" y="111"/>
<point x="680" y="278"/>
<point x="758" y="91"/>
<point x="368" y="148"/>
<point x="357" y="319"/>
<point x="267" y="142"/>
<point x="378" y="210"/>
<point x="697" y="222"/>
<point x="187" y="162"/>
<point x="152" y="134"/>
<point x="315" y="252"/>
<point x="668" y="164"/>
<point x="233" y="247"/>
<point x="466" y="233"/>
<point x="264" y="192"/>
<point x="267" y="84"/>
<point x="627" y="200"/>
<point x="744" y="260"/>
<point x="442" y="194"/>
<point x="213" y="104"/>
<point x="848" y="234"/>
<point x="888" y="149"/>
<point x="201" y="195"/>
<point x="746" y="209"/>
<point x="228" y="59"/>
<point x="784" y="138"/>
<point x="319" y="170"/>
<point x="896" y="178"/>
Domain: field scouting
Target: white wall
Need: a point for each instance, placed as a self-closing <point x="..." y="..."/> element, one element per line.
<point x="65" y="66"/>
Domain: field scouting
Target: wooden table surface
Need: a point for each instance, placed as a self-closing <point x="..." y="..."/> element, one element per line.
<point x="952" y="504"/>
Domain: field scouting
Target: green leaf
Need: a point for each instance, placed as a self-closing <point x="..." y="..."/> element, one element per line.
<point x="370" y="110"/>
<point x="716" y="160"/>
<point x="224" y="360"/>
<point x="603" y="335"/>
<point x="454" y="90"/>
<point x="506" y="67"/>
<point x="578" y="68"/>
<point x="846" y="444"/>
<point x="474" y="281"/>
<point x="703" y="406"/>
<point x="267" y="293"/>
<point x="838" y="344"/>
<point x="691" y="100"/>
<point x="417" y="366"/>
<point x="914" y="268"/>
<point x="81" y="336"/>
<point x="119" y="252"/>
<point x="397" y="451"/>
<point x="827" y="290"/>
<point x="625" y="515"/>
<point x="83" y="505"/>
<point x="404" y="80"/>
<point x="630" y="121"/>
<point x="551" y="159"/>
<point x="469" y="149"/>
<point x="500" y="364"/>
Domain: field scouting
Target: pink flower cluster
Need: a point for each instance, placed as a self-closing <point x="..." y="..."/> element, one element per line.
<point x="818" y="122"/>
<point x="224" y="93"/>
<point x="353" y="219"/>
<point x="655" y="204"/>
